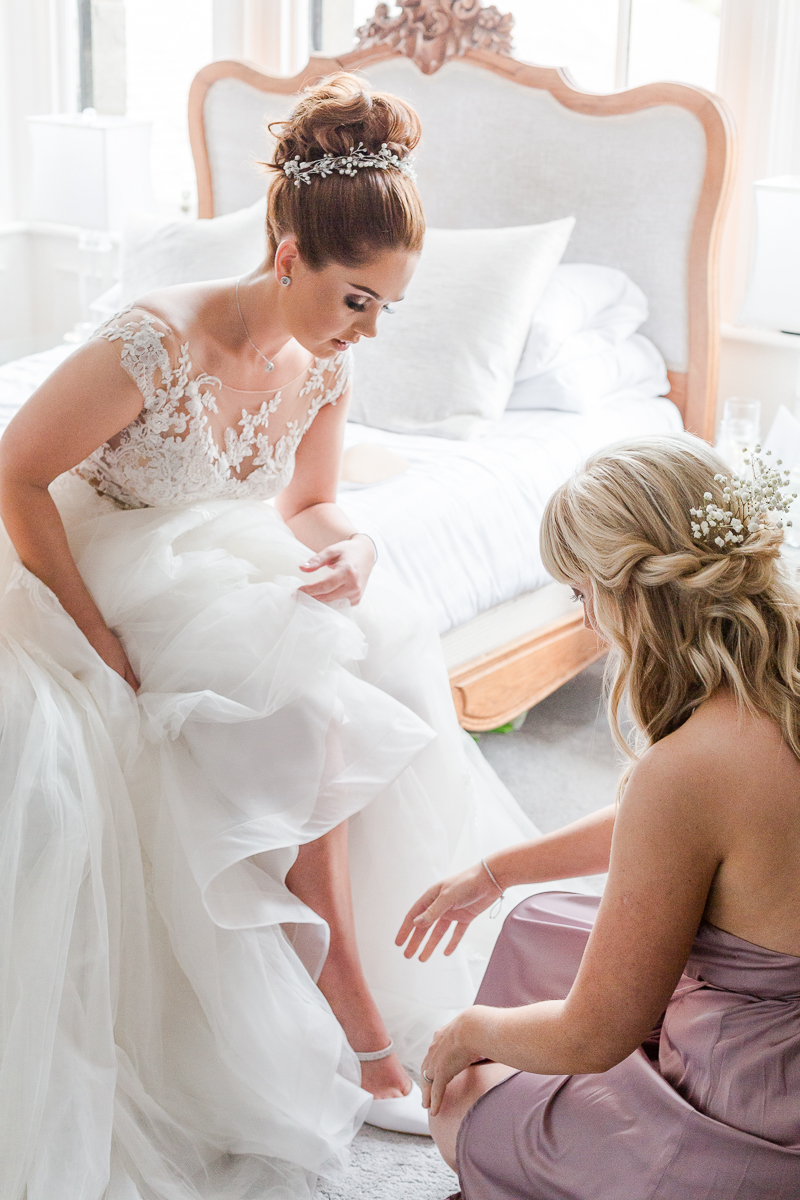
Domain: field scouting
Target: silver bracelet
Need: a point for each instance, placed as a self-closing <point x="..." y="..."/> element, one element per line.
<point x="366" y="535"/>
<point x="485" y="866"/>
<point x="494" y="911"/>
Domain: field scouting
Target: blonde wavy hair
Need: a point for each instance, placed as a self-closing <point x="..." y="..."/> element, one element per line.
<point x="683" y="618"/>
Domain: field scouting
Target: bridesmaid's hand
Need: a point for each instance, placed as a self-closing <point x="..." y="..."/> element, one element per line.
<point x="460" y="898"/>
<point x="350" y="564"/>
<point x="454" y="1048"/>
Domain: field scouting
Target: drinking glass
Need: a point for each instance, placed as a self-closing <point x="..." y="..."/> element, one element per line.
<point x="739" y="430"/>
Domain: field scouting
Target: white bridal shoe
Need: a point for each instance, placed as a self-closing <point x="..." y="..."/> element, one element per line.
<point x="399" y="1114"/>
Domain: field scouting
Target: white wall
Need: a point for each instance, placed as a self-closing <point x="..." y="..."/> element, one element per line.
<point x="759" y="365"/>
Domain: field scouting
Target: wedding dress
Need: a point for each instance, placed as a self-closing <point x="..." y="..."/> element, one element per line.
<point x="162" y="1034"/>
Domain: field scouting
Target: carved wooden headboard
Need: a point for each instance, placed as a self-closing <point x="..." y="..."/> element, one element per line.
<point x="646" y="172"/>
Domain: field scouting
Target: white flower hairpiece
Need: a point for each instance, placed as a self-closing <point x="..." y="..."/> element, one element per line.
<point x="746" y="504"/>
<point x="347" y="164"/>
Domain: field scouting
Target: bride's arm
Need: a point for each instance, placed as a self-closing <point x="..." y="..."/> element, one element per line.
<point x="308" y="506"/>
<point x="86" y="400"/>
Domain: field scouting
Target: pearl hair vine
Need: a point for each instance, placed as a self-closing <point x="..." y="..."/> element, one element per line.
<point x="746" y="504"/>
<point x="347" y="164"/>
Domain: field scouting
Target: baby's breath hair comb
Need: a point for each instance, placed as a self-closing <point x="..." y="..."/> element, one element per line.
<point x="347" y="164"/>
<point x="746" y="505"/>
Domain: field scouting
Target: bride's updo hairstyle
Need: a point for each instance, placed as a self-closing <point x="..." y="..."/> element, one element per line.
<point x="346" y="219"/>
<point x="683" y="616"/>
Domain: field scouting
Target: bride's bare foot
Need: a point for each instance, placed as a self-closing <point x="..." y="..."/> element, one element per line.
<point x="385" y="1078"/>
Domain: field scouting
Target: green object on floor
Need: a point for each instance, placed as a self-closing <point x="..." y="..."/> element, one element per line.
<point x="509" y="727"/>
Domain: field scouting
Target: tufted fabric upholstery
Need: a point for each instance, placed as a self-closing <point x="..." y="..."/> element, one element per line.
<point x="497" y="153"/>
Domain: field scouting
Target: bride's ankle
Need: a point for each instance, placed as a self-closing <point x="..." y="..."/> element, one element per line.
<point x="385" y="1078"/>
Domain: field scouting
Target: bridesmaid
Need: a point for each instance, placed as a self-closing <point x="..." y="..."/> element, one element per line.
<point x="648" y="1044"/>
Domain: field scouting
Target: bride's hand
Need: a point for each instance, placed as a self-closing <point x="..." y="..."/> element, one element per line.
<point x="350" y="564"/>
<point x="460" y="898"/>
<point x="110" y="649"/>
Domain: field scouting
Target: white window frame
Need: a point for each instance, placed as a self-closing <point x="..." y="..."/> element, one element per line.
<point x="38" y="74"/>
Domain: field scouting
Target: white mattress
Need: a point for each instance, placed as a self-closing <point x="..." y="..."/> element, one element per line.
<point x="460" y="528"/>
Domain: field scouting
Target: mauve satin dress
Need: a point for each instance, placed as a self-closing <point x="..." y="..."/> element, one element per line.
<point x="710" y="1110"/>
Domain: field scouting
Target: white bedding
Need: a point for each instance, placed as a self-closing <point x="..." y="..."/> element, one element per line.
<point x="461" y="526"/>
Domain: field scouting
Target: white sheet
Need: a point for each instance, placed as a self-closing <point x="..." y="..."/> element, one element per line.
<point x="461" y="527"/>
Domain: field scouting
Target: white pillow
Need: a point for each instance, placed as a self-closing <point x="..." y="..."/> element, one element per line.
<point x="578" y="298"/>
<point x="578" y="384"/>
<point x="444" y="363"/>
<point x="158" y="253"/>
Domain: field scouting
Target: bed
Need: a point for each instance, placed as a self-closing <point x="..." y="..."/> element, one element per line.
<point x="646" y="173"/>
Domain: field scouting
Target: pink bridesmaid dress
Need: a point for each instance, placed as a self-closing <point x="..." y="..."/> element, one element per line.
<point x="707" y="1109"/>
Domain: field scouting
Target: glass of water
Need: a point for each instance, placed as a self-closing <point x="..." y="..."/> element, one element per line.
<point x="739" y="430"/>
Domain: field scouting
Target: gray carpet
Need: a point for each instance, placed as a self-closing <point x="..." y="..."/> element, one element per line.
<point x="560" y="765"/>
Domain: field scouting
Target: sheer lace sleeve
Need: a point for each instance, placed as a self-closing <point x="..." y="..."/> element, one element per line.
<point x="328" y="380"/>
<point x="145" y="356"/>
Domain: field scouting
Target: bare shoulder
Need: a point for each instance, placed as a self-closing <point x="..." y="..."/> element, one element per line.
<point x="720" y="738"/>
<point x="723" y="774"/>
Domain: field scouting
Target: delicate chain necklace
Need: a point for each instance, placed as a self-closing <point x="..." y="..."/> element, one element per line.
<point x="270" y="366"/>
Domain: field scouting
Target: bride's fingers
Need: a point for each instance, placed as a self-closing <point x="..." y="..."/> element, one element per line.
<point x="324" y="558"/>
<point x="326" y="589"/>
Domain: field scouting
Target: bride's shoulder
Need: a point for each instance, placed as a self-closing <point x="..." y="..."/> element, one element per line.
<point x="171" y="311"/>
<point x="333" y="375"/>
<point x="135" y="324"/>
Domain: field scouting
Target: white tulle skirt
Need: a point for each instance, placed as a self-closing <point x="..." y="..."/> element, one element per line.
<point x="162" y="1034"/>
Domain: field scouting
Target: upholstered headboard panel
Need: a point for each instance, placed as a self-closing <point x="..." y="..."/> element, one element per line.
<point x="643" y="171"/>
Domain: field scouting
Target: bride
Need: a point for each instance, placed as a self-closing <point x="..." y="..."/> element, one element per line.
<point x="227" y="770"/>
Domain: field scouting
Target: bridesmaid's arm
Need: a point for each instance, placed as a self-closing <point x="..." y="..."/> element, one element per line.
<point x="308" y="506"/>
<point x="665" y="853"/>
<point x="581" y="848"/>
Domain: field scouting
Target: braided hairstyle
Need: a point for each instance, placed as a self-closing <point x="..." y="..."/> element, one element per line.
<point x="341" y="218"/>
<point x="683" y="617"/>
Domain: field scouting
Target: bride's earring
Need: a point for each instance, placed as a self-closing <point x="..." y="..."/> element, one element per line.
<point x="285" y="280"/>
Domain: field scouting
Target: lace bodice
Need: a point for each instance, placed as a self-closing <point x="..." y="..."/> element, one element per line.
<point x="171" y="455"/>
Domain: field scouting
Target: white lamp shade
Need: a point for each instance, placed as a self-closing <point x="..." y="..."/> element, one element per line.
<point x="773" y="297"/>
<point x="89" y="171"/>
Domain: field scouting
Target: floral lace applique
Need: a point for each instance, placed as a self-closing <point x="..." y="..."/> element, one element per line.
<point x="169" y="455"/>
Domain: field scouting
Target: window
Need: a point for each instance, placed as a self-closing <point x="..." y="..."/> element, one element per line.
<point x="608" y="44"/>
<point x="167" y="42"/>
<point x="674" y="39"/>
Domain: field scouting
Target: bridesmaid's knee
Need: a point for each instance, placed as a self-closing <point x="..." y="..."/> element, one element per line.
<point x="460" y="1095"/>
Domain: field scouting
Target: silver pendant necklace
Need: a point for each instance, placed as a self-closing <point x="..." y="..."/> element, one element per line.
<point x="269" y="366"/>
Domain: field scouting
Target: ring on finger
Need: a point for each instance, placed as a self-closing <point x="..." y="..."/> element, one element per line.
<point x="426" y="1077"/>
